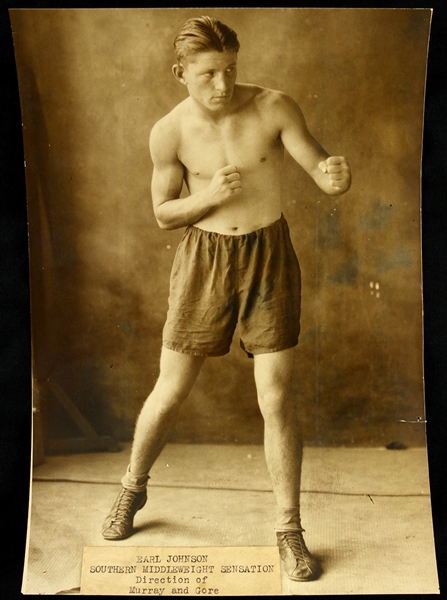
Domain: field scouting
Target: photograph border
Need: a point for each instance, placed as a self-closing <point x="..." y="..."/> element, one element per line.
<point x="16" y="368"/>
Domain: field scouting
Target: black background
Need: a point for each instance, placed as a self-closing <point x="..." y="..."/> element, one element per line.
<point x="15" y="357"/>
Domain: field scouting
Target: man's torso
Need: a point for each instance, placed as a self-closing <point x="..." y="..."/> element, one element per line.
<point x="247" y="138"/>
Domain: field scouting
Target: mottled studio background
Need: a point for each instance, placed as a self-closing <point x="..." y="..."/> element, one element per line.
<point x="92" y="84"/>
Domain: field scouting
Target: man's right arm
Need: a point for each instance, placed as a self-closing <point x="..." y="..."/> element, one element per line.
<point x="171" y="211"/>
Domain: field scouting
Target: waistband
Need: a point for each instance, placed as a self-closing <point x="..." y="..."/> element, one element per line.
<point x="280" y="223"/>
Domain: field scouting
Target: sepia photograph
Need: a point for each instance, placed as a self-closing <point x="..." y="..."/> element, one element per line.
<point x="225" y="254"/>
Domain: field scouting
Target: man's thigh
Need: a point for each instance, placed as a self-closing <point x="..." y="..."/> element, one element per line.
<point x="203" y="300"/>
<point x="274" y="371"/>
<point x="270" y="298"/>
<point x="178" y="370"/>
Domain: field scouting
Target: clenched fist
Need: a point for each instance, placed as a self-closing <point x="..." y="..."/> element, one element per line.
<point x="339" y="173"/>
<point x="225" y="183"/>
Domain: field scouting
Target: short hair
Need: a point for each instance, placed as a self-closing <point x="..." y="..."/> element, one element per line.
<point x="202" y="34"/>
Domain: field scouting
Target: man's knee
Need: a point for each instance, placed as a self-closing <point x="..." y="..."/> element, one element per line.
<point x="275" y="402"/>
<point x="273" y="376"/>
<point x="178" y="373"/>
<point x="168" y="393"/>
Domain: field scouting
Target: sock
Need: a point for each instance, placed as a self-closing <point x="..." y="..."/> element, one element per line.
<point x="288" y="519"/>
<point x="135" y="483"/>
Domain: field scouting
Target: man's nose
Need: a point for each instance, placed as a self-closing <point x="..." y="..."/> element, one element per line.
<point x="220" y="82"/>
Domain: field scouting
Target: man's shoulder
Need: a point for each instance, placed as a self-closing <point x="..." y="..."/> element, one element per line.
<point x="263" y="97"/>
<point x="169" y="124"/>
<point x="166" y="133"/>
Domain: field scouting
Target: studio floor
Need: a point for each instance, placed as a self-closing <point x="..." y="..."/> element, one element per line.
<point x="366" y="512"/>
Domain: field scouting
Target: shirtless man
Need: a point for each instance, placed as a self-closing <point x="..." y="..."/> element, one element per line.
<point x="235" y="263"/>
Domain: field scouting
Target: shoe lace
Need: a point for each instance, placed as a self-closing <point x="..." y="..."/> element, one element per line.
<point x="123" y="505"/>
<point x="295" y="541"/>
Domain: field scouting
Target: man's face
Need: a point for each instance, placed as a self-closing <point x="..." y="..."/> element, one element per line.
<point x="210" y="77"/>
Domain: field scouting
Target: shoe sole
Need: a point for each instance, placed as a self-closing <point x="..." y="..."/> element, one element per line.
<point x="311" y="577"/>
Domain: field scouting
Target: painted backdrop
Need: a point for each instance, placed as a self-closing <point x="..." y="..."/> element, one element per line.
<point x="92" y="84"/>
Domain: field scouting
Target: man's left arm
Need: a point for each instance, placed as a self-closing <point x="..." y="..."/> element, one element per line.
<point x="332" y="174"/>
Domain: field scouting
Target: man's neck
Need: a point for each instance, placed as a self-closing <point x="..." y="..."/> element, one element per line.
<point x="216" y="116"/>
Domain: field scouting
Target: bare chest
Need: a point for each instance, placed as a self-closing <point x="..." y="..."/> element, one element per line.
<point x="245" y="143"/>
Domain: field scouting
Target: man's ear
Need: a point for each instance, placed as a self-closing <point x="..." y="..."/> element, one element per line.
<point x="178" y="71"/>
